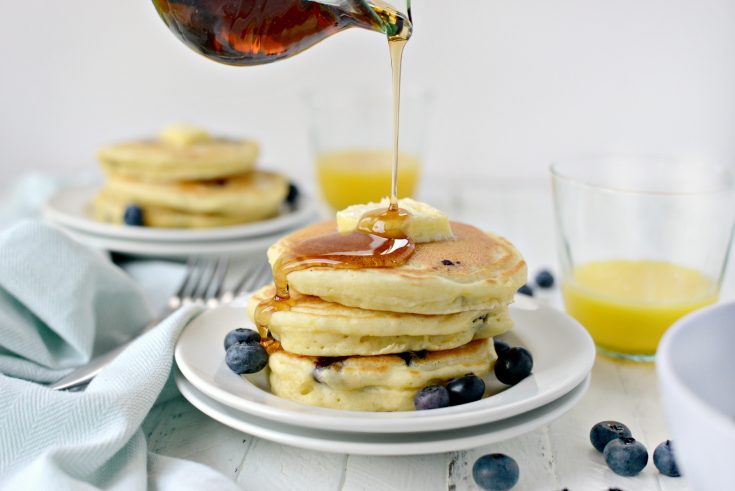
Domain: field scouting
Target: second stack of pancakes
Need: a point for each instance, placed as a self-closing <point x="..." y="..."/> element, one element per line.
<point x="369" y="339"/>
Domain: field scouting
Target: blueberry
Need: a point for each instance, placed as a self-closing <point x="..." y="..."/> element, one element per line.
<point x="513" y="365"/>
<point x="604" y="431"/>
<point x="526" y="290"/>
<point x="293" y="194"/>
<point x="625" y="456"/>
<point x="246" y="358"/>
<point x="500" y="346"/>
<point x="663" y="459"/>
<point x="241" y="335"/>
<point x="431" y="397"/>
<point x="544" y="279"/>
<point x="495" y="472"/>
<point x="465" y="389"/>
<point x="133" y="215"/>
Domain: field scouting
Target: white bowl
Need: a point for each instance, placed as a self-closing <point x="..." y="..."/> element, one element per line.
<point x="696" y="370"/>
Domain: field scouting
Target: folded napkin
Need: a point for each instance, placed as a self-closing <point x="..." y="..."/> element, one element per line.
<point x="60" y="304"/>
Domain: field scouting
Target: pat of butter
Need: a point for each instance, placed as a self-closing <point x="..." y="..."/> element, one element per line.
<point x="427" y="224"/>
<point x="183" y="135"/>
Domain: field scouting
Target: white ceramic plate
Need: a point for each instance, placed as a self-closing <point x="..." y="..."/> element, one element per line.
<point x="174" y="250"/>
<point x="68" y="206"/>
<point x="381" y="443"/>
<point x="563" y="356"/>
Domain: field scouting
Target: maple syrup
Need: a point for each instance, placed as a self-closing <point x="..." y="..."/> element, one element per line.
<point x="379" y="240"/>
<point x="253" y="32"/>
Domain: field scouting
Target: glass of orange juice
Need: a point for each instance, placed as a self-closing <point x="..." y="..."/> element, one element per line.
<point x="351" y="132"/>
<point x="641" y="242"/>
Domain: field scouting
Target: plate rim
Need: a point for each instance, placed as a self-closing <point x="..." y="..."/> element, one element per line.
<point x="76" y="221"/>
<point x="479" y="435"/>
<point x="310" y="416"/>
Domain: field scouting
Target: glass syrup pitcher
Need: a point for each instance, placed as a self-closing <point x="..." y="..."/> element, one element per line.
<point x="254" y="32"/>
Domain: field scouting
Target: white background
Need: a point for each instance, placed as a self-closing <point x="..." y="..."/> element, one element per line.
<point x="519" y="83"/>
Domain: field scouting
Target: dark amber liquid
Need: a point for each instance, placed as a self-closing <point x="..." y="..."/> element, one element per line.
<point x="354" y="250"/>
<point x="253" y="32"/>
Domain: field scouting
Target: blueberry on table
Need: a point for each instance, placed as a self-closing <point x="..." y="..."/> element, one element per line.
<point x="544" y="279"/>
<point x="495" y="472"/>
<point x="663" y="459"/>
<point x="246" y="358"/>
<point x="513" y="365"/>
<point x="133" y="215"/>
<point x="500" y="346"/>
<point x="462" y="390"/>
<point x="526" y="290"/>
<point x="431" y="397"/>
<point x="293" y="194"/>
<point x="241" y="335"/>
<point x="625" y="456"/>
<point x="603" y="432"/>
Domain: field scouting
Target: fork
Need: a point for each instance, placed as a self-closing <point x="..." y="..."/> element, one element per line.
<point x="203" y="284"/>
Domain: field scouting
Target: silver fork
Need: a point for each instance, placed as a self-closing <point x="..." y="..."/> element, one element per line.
<point x="203" y="283"/>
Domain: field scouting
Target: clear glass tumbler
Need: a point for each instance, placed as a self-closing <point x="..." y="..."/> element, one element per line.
<point x="641" y="243"/>
<point x="351" y="133"/>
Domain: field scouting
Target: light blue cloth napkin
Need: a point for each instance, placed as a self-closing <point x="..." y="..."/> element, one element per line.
<point x="60" y="303"/>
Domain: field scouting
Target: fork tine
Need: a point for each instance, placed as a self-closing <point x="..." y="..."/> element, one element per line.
<point x="214" y="290"/>
<point x="177" y="298"/>
<point x="249" y="271"/>
<point x="209" y="271"/>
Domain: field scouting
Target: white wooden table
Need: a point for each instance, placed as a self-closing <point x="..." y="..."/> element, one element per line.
<point x="555" y="457"/>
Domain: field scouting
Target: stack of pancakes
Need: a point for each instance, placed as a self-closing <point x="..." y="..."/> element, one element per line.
<point x="186" y="179"/>
<point x="369" y="339"/>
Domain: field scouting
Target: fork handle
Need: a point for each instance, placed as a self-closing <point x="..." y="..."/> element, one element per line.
<point x="84" y="374"/>
<point x="81" y="376"/>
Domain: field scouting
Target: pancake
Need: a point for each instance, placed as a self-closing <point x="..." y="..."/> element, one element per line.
<point x="313" y="326"/>
<point x="110" y="209"/>
<point x="160" y="161"/>
<point x="254" y="195"/>
<point x="475" y="271"/>
<point x="373" y="383"/>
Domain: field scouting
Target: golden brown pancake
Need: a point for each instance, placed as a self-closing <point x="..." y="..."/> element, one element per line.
<point x="475" y="271"/>
<point x="255" y="195"/>
<point x="373" y="383"/>
<point x="161" y="161"/>
<point x="312" y="326"/>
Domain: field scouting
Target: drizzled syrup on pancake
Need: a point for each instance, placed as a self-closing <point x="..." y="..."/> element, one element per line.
<point x="378" y="242"/>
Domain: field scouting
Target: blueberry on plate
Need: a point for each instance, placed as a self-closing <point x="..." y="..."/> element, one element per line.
<point x="625" y="456"/>
<point x="513" y="365"/>
<point x="663" y="459"/>
<point x="604" y="431"/>
<point x="133" y="215"/>
<point x="431" y="397"/>
<point x="246" y="358"/>
<point x="465" y="389"/>
<point x="500" y="346"/>
<point x="526" y="290"/>
<point x="293" y="194"/>
<point x="495" y="472"/>
<point x="544" y="279"/>
<point x="241" y="335"/>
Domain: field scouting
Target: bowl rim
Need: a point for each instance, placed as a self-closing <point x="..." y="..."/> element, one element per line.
<point x="667" y="374"/>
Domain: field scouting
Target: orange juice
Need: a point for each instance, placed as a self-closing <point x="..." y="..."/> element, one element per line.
<point x="347" y="177"/>
<point x="628" y="305"/>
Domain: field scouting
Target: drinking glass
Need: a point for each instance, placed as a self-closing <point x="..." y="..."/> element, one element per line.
<point x="641" y="242"/>
<point x="351" y="134"/>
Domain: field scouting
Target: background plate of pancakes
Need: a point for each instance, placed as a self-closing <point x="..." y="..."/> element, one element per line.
<point x="563" y="356"/>
<point x="68" y="210"/>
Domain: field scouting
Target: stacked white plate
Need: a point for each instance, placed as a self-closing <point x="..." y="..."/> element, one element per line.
<point x="563" y="356"/>
<point x="67" y="209"/>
